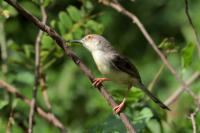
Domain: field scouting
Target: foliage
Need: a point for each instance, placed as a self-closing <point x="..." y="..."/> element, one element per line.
<point x="74" y="101"/>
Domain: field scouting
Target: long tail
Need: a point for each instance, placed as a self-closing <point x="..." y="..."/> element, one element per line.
<point x="155" y="99"/>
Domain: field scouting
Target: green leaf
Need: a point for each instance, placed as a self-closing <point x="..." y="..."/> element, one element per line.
<point x="31" y="7"/>
<point x="46" y="42"/>
<point x="68" y="36"/>
<point x="3" y="104"/>
<point x="111" y="125"/>
<point x="25" y="75"/>
<point x="78" y="33"/>
<point x="74" y="13"/>
<point x="65" y="20"/>
<point x="27" y="51"/>
<point x="154" y="126"/>
<point x="53" y="23"/>
<point x="61" y="28"/>
<point x="14" y="103"/>
<point x="146" y="114"/>
<point x="88" y="5"/>
<point x="36" y="1"/>
<point x="11" y="10"/>
<point x="5" y="13"/>
<point x="94" y="26"/>
<point x="187" y="54"/>
<point x="47" y="2"/>
<point x="135" y="95"/>
<point x="168" y="45"/>
<point x="44" y="53"/>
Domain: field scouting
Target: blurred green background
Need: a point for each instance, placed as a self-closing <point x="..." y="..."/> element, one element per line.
<point x="78" y="105"/>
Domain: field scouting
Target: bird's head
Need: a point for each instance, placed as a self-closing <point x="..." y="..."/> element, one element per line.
<point x="92" y="42"/>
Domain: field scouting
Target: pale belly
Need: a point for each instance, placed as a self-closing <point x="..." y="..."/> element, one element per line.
<point x="120" y="77"/>
<point x="106" y="68"/>
<point x="102" y="62"/>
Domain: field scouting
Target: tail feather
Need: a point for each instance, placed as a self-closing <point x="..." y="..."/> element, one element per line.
<point x="155" y="99"/>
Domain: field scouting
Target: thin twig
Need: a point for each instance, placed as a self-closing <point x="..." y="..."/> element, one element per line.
<point x="192" y="25"/>
<point x="192" y="117"/>
<point x="42" y="75"/>
<point x="115" y="5"/>
<point x="51" y="118"/>
<point x="3" y="49"/>
<point x="10" y="121"/>
<point x="59" y="41"/>
<point x="44" y="92"/>
<point x="175" y="95"/>
<point x="37" y="69"/>
<point x="156" y="77"/>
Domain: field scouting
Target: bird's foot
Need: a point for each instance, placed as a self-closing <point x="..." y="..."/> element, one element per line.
<point x="119" y="107"/>
<point x="98" y="81"/>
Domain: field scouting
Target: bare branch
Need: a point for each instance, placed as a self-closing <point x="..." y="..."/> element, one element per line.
<point x="51" y="118"/>
<point x="37" y="69"/>
<point x="44" y="92"/>
<point x="41" y="74"/>
<point x="180" y="90"/>
<point x="3" y="49"/>
<point x="10" y="121"/>
<point x="74" y="57"/>
<point x="115" y="5"/>
<point x="192" y="117"/>
<point x="192" y="25"/>
<point x="193" y="122"/>
<point x="156" y="77"/>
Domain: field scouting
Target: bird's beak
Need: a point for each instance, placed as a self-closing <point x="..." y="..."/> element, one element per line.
<point x="76" y="41"/>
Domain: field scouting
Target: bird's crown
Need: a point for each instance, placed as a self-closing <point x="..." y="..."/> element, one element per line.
<point x="92" y="37"/>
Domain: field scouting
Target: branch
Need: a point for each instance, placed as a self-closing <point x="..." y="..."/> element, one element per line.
<point x="180" y="90"/>
<point x="59" y="41"/>
<point x="41" y="74"/>
<point x="115" y="5"/>
<point x="192" y="25"/>
<point x="44" y="92"/>
<point x="10" y="121"/>
<point x="156" y="77"/>
<point x="3" y="49"/>
<point x="47" y="116"/>
<point x="37" y="69"/>
<point x="192" y="117"/>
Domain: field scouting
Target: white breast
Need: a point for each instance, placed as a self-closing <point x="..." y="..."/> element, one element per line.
<point x="101" y="61"/>
<point x="103" y="64"/>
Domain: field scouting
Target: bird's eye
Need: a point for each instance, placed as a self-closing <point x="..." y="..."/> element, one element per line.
<point x="89" y="37"/>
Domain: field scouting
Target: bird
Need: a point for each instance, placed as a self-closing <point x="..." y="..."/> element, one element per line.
<point x="114" y="67"/>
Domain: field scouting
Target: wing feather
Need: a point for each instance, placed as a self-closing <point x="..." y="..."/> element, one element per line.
<point x="122" y="63"/>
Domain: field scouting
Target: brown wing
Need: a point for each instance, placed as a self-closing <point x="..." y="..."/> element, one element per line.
<point x="122" y="63"/>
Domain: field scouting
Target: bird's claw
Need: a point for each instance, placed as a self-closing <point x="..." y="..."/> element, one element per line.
<point x="117" y="109"/>
<point x="98" y="81"/>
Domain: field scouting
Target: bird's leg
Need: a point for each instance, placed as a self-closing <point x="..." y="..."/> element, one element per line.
<point x="98" y="81"/>
<point x="119" y="107"/>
